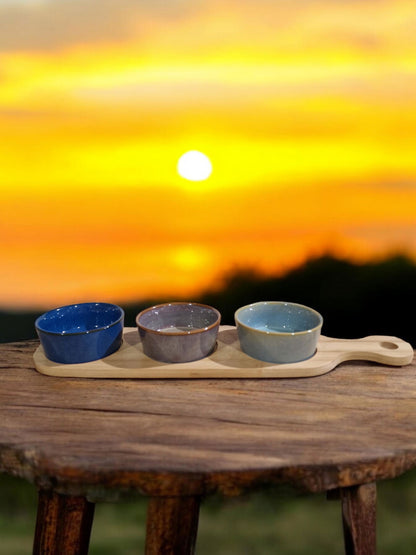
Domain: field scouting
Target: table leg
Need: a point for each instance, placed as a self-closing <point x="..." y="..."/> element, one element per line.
<point x="359" y="519"/>
<point x="172" y="524"/>
<point x="63" y="524"/>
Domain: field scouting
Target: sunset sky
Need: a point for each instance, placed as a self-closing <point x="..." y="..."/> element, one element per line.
<point x="306" y="109"/>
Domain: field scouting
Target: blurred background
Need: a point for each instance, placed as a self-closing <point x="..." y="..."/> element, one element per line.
<point x="305" y="110"/>
<point x="305" y="114"/>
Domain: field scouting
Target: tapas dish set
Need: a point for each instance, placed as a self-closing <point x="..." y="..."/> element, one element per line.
<point x="271" y="339"/>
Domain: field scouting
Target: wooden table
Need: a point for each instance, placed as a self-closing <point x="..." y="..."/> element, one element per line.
<point x="175" y="441"/>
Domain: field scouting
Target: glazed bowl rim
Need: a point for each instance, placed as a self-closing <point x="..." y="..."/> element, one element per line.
<point x="274" y="332"/>
<point x="194" y="331"/>
<point x="84" y="332"/>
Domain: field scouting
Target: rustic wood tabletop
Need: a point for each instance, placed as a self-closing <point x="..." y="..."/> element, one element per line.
<point x="92" y="437"/>
<point x="354" y="424"/>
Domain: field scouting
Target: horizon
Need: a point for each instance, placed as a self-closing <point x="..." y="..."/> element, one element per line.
<point x="398" y="262"/>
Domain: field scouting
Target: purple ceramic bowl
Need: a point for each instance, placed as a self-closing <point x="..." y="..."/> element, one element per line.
<point x="178" y="332"/>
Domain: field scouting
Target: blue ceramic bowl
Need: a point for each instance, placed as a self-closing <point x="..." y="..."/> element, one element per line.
<point x="278" y="332"/>
<point x="81" y="332"/>
<point x="178" y="332"/>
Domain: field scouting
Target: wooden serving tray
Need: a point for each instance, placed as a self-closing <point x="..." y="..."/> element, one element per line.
<point x="229" y="361"/>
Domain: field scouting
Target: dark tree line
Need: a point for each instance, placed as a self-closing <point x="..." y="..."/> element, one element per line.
<point x="377" y="298"/>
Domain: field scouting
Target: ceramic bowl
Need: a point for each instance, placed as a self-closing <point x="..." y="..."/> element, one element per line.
<point x="178" y="332"/>
<point x="278" y="332"/>
<point x="81" y="332"/>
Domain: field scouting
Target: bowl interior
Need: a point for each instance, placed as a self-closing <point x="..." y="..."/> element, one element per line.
<point x="279" y="317"/>
<point x="79" y="318"/>
<point x="178" y="318"/>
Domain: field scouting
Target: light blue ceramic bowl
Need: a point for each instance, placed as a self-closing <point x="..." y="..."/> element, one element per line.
<point x="178" y="332"/>
<point x="81" y="332"/>
<point x="278" y="332"/>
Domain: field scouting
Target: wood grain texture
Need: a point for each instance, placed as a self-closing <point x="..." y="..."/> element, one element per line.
<point x="172" y="525"/>
<point x="174" y="437"/>
<point x="229" y="361"/>
<point x="359" y="519"/>
<point x="63" y="525"/>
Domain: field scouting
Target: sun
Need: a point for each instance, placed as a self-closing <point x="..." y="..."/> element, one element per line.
<point x="194" y="166"/>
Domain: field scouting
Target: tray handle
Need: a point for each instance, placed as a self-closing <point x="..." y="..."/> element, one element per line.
<point x="384" y="349"/>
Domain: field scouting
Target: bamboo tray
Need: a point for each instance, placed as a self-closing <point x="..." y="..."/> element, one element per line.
<point x="229" y="361"/>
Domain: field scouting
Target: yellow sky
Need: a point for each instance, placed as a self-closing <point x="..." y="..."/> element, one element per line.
<point x="306" y="110"/>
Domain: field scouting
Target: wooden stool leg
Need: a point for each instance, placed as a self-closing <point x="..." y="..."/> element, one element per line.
<point x="172" y="525"/>
<point x="63" y="524"/>
<point x="359" y="519"/>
